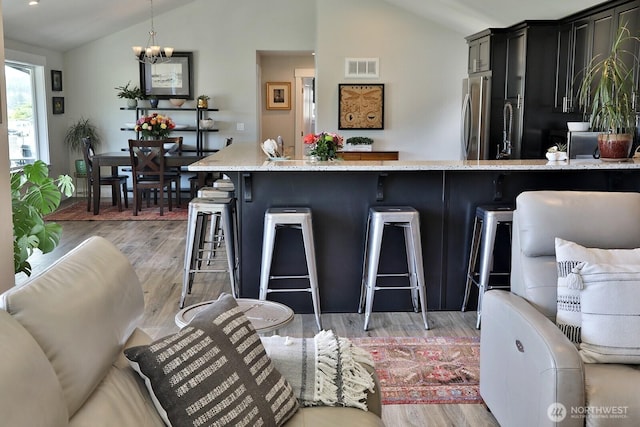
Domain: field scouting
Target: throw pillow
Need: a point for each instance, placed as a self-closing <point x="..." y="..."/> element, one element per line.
<point x="610" y="304"/>
<point x="325" y="370"/>
<point x="215" y="371"/>
<point x="568" y="256"/>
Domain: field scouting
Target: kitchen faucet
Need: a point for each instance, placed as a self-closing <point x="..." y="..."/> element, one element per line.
<point x="507" y="114"/>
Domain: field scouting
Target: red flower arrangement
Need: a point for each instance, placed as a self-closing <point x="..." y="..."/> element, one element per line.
<point x="325" y="145"/>
<point x="155" y="126"/>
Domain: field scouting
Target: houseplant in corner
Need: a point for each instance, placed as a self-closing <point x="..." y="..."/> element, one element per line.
<point x="33" y="195"/>
<point x="83" y="128"/>
<point x="606" y="94"/>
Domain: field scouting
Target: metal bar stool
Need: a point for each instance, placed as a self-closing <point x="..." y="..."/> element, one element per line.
<point x="397" y="216"/>
<point x="483" y="240"/>
<point x="299" y="218"/>
<point x="214" y="228"/>
<point x="200" y="210"/>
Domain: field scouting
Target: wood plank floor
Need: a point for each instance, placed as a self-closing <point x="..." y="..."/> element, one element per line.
<point x="156" y="250"/>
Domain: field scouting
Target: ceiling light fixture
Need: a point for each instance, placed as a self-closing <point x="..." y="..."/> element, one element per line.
<point x="34" y="2"/>
<point x="152" y="53"/>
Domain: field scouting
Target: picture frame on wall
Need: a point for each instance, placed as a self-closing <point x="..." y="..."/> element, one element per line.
<point x="58" y="104"/>
<point x="166" y="80"/>
<point x="56" y="80"/>
<point x="361" y="106"/>
<point x="278" y="95"/>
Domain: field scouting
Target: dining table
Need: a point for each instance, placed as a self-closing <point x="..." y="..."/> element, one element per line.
<point x="117" y="159"/>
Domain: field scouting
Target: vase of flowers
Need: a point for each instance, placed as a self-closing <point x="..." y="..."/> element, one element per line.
<point x="154" y="126"/>
<point x="324" y="145"/>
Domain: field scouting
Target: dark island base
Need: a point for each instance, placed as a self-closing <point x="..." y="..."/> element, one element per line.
<point x="339" y="201"/>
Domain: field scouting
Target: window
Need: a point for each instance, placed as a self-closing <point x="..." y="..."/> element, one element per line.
<point x="22" y="113"/>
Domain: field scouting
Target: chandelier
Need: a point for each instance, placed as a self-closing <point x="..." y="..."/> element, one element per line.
<point x="152" y="53"/>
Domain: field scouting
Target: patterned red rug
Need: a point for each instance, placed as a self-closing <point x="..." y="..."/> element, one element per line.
<point x="78" y="212"/>
<point x="426" y="370"/>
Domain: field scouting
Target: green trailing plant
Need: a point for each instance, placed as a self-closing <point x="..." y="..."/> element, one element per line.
<point x="127" y="92"/>
<point x="35" y="194"/>
<point x="83" y="128"/>
<point x="606" y="91"/>
<point x="359" y="140"/>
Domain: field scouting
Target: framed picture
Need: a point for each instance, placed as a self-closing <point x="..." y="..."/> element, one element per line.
<point x="361" y="106"/>
<point x="278" y="96"/>
<point x="58" y="104"/>
<point x="56" y="80"/>
<point x="173" y="79"/>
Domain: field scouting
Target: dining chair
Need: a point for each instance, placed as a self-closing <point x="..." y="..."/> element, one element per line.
<point x="115" y="181"/>
<point x="174" y="145"/>
<point x="149" y="171"/>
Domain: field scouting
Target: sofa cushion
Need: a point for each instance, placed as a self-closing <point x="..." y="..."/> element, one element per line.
<point x="609" y="298"/>
<point x="612" y="392"/>
<point x="31" y="394"/>
<point x="216" y="368"/>
<point x="121" y="399"/>
<point x="80" y="310"/>
<point x="568" y="256"/>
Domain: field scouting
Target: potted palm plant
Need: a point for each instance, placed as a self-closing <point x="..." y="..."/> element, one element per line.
<point x="606" y="94"/>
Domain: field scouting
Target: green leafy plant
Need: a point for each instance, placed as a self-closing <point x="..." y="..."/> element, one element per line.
<point x="83" y="128"/>
<point x="33" y="195"/>
<point x="127" y="92"/>
<point x="606" y="91"/>
<point x="359" y="140"/>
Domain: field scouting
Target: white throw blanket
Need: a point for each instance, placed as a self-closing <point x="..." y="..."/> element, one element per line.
<point x="324" y="370"/>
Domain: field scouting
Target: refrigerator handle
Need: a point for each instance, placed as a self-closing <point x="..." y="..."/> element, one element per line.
<point x="464" y="125"/>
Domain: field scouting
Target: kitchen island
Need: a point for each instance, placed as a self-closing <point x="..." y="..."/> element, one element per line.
<point x="339" y="193"/>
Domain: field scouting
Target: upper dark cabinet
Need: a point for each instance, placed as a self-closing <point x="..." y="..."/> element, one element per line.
<point x="479" y="55"/>
<point x="588" y="39"/>
<point x="516" y="62"/>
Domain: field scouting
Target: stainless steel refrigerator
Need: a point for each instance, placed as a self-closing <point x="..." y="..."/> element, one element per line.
<point x="476" y="104"/>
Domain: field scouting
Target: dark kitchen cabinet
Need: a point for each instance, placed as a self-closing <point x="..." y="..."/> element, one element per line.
<point x="479" y="55"/>
<point x="529" y="87"/>
<point x="629" y="15"/>
<point x="586" y="40"/>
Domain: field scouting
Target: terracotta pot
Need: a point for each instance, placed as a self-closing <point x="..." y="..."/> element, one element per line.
<point x="615" y="145"/>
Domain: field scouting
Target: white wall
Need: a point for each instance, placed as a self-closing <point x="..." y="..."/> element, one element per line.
<point x="6" y="229"/>
<point x="422" y="65"/>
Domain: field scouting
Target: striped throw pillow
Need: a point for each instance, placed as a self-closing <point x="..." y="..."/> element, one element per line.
<point x="214" y="372"/>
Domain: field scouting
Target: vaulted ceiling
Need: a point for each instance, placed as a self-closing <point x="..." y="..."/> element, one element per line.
<point x="65" y="24"/>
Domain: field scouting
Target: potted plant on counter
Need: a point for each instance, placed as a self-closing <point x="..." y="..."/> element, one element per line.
<point x="131" y="94"/>
<point x="358" y="143"/>
<point x="606" y="94"/>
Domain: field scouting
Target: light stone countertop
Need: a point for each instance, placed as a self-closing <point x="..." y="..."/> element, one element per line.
<point x="246" y="157"/>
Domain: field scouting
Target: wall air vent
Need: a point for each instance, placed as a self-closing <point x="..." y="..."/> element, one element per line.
<point x="362" y="68"/>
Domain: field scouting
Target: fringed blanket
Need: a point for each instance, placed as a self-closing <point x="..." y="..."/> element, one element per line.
<point x="324" y="370"/>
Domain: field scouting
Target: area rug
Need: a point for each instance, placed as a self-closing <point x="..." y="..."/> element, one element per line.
<point x="78" y="212"/>
<point x="426" y="370"/>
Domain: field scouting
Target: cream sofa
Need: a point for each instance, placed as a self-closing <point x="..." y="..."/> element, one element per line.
<point x="530" y="373"/>
<point x="62" y="339"/>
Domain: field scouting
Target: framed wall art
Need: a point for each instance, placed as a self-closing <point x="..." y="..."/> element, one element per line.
<point x="58" y="104"/>
<point x="173" y="79"/>
<point x="361" y="106"/>
<point x="56" y="80"/>
<point x="278" y="96"/>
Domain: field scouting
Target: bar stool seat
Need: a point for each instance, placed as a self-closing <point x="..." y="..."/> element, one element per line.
<point x="200" y="211"/>
<point x="293" y="217"/>
<point x="483" y="240"/>
<point x="396" y="216"/>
